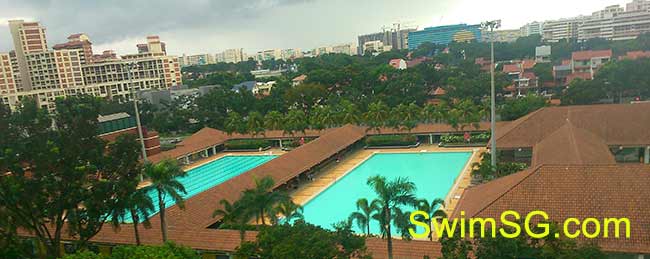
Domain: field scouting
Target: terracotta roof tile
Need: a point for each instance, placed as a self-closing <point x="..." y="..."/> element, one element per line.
<point x="615" y="124"/>
<point x="589" y="54"/>
<point x="580" y="191"/>
<point x="571" y="145"/>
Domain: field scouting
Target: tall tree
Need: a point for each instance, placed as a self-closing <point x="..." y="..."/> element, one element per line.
<point x="377" y="115"/>
<point x="60" y="175"/>
<point x="233" y="215"/>
<point x="255" y="123"/>
<point x="390" y="196"/>
<point x="164" y="181"/>
<point x="434" y="210"/>
<point x="263" y="199"/>
<point x="273" y="120"/>
<point x="365" y="212"/>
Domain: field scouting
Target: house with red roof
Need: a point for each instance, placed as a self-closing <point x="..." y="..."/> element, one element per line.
<point x="398" y="63"/>
<point x="523" y="78"/>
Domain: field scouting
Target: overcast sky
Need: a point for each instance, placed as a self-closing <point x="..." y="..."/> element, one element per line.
<point x="204" y="26"/>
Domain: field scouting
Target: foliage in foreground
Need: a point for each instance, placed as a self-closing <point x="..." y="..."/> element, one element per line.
<point x="484" y="171"/>
<point x="247" y="144"/>
<point x="167" y="251"/>
<point x="519" y="247"/>
<point x="304" y="240"/>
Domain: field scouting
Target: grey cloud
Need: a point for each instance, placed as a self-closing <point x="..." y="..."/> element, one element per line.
<point x="109" y="21"/>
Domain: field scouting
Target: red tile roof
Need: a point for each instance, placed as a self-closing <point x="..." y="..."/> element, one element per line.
<point x="200" y="140"/>
<point x="571" y="145"/>
<point x="572" y="191"/>
<point x="615" y="124"/>
<point x="589" y="54"/>
<point x="528" y="64"/>
<point x="581" y="75"/>
<point x="637" y="54"/>
<point x="511" y="68"/>
<point x="299" y="78"/>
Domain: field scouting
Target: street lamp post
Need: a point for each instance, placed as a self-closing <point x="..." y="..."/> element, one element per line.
<point x="492" y="25"/>
<point x="130" y="67"/>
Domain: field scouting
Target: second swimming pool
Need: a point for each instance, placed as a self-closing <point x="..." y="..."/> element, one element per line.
<point x="211" y="174"/>
<point x="432" y="172"/>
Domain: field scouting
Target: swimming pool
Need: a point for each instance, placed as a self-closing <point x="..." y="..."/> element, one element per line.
<point x="211" y="174"/>
<point x="432" y="172"/>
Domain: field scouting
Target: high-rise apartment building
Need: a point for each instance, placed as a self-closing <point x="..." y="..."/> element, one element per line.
<point x="196" y="60"/>
<point x="7" y="81"/>
<point x="231" y="56"/>
<point x="600" y="24"/>
<point x="562" y="29"/>
<point x="532" y="28"/>
<point x="638" y="5"/>
<point x="81" y="43"/>
<point x="35" y="71"/>
<point x="28" y="37"/>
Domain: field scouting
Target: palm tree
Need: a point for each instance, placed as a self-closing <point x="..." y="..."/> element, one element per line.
<point x="364" y="213"/>
<point x="234" y="123"/>
<point x="262" y="199"/>
<point x="273" y="120"/>
<point x="255" y="123"/>
<point x="433" y="209"/>
<point x="295" y="121"/>
<point x="233" y="214"/>
<point x="391" y="195"/>
<point x="137" y="205"/>
<point x="163" y="176"/>
<point x="289" y="211"/>
<point x="349" y="113"/>
<point x="376" y="116"/>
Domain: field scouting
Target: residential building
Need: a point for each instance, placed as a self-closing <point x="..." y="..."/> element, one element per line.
<point x="375" y="47"/>
<point x="562" y="29"/>
<point x="396" y="37"/>
<point x="287" y="54"/>
<point x="263" y="88"/>
<point x="543" y="54"/>
<point x="196" y="60"/>
<point x="532" y="28"/>
<point x="347" y="49"/>
<point x="28" y="37"/>
<point x="638" y="5"/>
<point x="231" y="56"/>
<point x="524" y="80"/>
<point x="7" y="81"/>
<point x="71" y="69"/>
<point x="298" y="80"/>
<point x="589" y="61"/>
<point x="81" y="43"/>
<point x="264" y="73"/>
<point x="501" y="35"/>
<point x="268" y="55"/>
<point x="636" y="55"/>
<point x="444" y="35"/>
<point x="630" y="24"/>
<point x="398" y="63"/>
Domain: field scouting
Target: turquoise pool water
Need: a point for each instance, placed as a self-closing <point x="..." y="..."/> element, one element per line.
<point x="432" y="172"/>
<point x="211" y="174"/>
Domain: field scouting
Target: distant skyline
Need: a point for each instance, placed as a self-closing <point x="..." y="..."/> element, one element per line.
<point x="204" y="26"/>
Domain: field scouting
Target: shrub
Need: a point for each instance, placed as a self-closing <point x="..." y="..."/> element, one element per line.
<point x="391" y="140"/>
<point x="83" y="255"/>
<point x="167" y="251"/>
<point x="247" y="144"/>
<point x="295" y="142"/>
<point x="474" y="138"/>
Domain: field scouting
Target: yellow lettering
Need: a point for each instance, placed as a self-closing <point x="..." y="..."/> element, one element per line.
<point x="482" y="222"/>
<point x="566" y="228"/>
<point x="545" y="226"/>
<point x="617" y="226"/>
<point x="513" y="224"/>
<point x="584" y="228"/>
<point x="415" y="222"/>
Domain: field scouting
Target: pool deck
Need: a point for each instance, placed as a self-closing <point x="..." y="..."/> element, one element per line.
<point x="330" y="174"/>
